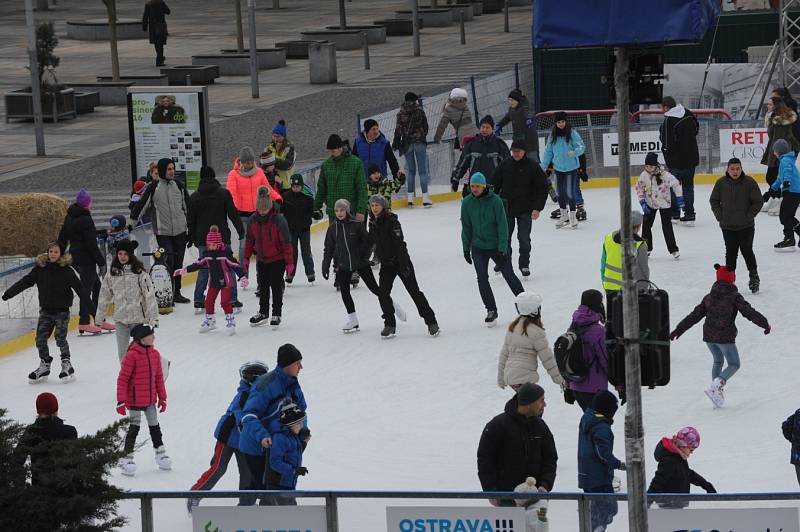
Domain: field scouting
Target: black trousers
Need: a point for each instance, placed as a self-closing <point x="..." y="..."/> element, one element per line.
<point x="666" y="228"/>
<point x="256" y="477"/>
<point x="343" y="280"/>
<point x="219" y="465"/>
<point x="88" y="275"/>
<point x="270" y="278"/>
<point x="789" y="205"/>
<point x="740" y="240"/>
<point x="771" y="176"/>
<point x="175" y="246"/>
<point x="584" y="399"/>
<point x="387" y="277"/>
<point x="159" y="53"/>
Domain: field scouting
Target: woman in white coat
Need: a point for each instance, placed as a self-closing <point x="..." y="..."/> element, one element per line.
<point x="525" y="346"/>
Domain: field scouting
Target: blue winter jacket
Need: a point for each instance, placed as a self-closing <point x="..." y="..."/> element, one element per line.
<point x="557" y="152"/>
<point x="227" y="430"/>
<point x="285" y="454"/>
<point x="791" y="431"/>
<point x="596" y="460"/>
<point x="373" y="152"/>
<point x="261" y="412"/>
<point x="787" y="173"/>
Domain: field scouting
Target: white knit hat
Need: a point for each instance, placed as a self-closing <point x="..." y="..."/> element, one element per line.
<point x="458" y="93"/>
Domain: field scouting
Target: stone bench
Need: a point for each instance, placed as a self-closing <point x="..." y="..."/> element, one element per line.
<point x="85" y="102"/>
<point x="110" y="93"/>
<point x="343" y="39"/>
<point x="266" y="58"/>
<point x="235" y="64"/>
<point x="150" y="81"/>
<point x="296" y="49"/>
<point x="431" y="18"/>
<point x="97" y="29"/>
<point x="198" y="74"/>
<point x="397" y="26"/>
<point x="375" y="34"/>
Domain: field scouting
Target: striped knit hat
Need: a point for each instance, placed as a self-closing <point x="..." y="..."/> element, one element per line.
<point x="214" y="237"/>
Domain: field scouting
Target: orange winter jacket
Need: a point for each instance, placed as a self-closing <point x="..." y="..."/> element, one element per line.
<point x="244" y="189"/>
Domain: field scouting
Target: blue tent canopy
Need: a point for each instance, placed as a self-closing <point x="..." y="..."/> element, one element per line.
<point x="582" y="23"/>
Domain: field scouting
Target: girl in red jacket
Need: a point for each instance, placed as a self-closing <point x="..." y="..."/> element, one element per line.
<point x="140" y="387"/>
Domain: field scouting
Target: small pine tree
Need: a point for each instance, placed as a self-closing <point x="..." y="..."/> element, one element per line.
<point x="46" y="42"/>
<point x="71" y="492"/>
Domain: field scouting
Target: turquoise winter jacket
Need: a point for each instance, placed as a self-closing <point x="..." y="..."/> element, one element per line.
<point x="483" y="222"/>
<point x="787" y="173"/>
<point x="558" y="152"/>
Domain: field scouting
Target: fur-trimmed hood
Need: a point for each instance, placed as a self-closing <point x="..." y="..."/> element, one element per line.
<point x="42" y="260"/>
<point x="780" y="121"/>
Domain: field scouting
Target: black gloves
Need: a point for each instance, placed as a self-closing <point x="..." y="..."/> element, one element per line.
<point x="467" y="257"/>
<point x="785" y="185"/>
<point x="189" y="244"/>
<point x="501" y="259"/>
<point x="325" y="274"/>
<point x="305" y="433"/>
<point x="623" y="396"/>
<point x="569" y="396"/>
<point x="301" y="471"/>
<point x="317" y="215"/>
<point x="583" y="175"/>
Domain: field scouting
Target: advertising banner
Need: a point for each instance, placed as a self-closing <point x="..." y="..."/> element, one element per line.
<point x="641" y="142"/>
<point x="260" y="518"/>
<point x="455" y="519"/>
<point x="727" y="519"/>
<point x="168" y="122"/>
<point x="746" y="144"/>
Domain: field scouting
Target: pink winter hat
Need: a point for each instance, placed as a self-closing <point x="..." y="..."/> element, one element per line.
<point x="688" y="437"/>
<point x="83" y="199"/>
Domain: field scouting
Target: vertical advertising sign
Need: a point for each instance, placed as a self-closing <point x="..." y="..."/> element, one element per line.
<point x="169" y="122"/>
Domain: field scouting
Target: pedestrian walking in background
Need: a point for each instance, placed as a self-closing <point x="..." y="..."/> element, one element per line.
<point x="678" y="135"/>
<point x="456" y="114"/>
<point x="284" y="153"/>
<point x="674" y="474"/>
<point x="780" y="123"/>
<point x="341" y="176"/>
<point x="735" y="201"/>
<point x="563" y="148"/>
<point x="719" y="308"/>
<point x="154" y="22"/>
<point x="788" y="183"/>
<point x="410" y="141"/>
<point x="655" y="189"/>
<point x="791" y="431"/>
<point x="483" y="153"/>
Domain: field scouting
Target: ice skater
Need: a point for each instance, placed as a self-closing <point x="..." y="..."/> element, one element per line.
<point x="298" y="209"/>
<point x="674" y="474"/>
<point x="286" y="456"/>
<point x="654" y="188"/>
<point x="563" y="148"/>
<point x="788" y="182"/>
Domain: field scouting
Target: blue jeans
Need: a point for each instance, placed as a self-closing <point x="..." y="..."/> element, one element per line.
<point x="202" y="282"/>
<point x="417" y="159"/>
<point x="566" y="185"/>
<point x="480" y="260"/>
<point x="686" y="178"/>
<point x="523" y="224"/>
<point x="724" y="353"/>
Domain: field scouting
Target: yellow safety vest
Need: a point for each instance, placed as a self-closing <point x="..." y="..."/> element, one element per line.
<point x="284" y="174"/>
<point x="612" y="269"/>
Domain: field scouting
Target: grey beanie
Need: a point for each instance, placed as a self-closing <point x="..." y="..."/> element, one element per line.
<point x="636" y="218"/>
<point x="780" y="147"/>
<point x="263" y="199"/>
<point x="342" y="204"/>
<point x="246" y="155"/>
<point x="380" y="200"/>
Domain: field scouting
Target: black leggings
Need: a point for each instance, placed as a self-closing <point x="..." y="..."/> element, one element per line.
<point x="343" y="281"/>
<point x="789" y="205"/>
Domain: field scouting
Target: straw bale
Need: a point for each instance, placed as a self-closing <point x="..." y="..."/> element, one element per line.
<point x="29" y="221"/>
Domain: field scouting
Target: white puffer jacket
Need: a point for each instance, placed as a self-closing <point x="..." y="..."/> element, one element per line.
<point x="520" y="356"/>
<point x="133" y="297"/>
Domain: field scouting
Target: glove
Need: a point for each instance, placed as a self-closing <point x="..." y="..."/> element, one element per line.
<point x="302" y="471"/>
<point x="569" y="397"/>
<point x="498" y="130"/>
<point x="325" y="274"/>
<point x="101" y="271"/>
<point x="767" y="330"/>
<point x="121" y="410"/>
<point x="189" y="244"/>
<point x="454" y="183"/>
<point x="529" y="122"/>
<point x="681" y="202"/>
<point x="244" y="282"/>
<point x="645" y="208"/>
<point x="305" y="433"/>
<point x="179" y="272"/>
<point x="401" y="178"/>
<point x="162" y="405"/>
<point x="674" y="335"/>
<point x="709" y="488"/>
<point x="622" y="466"/>
<point x="501" y="259"/>
<point x="785" y="185"/>
<point x="467" y="257"/>
<point x="290" y="270"/>
<point x="129" y="228"/>
<point x="317" y="215"/>
<point x="549" y="171"/>
<point x="583" y="175"/>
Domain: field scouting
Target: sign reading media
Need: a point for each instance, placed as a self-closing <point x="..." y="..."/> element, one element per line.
<point x="727" y="519"/>
<point x="259" y="519"/>
<point x="454" y="519"/>
<point x="640" y="143"/>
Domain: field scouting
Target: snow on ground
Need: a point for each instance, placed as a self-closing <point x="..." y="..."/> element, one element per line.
<point x="407" y="413"/>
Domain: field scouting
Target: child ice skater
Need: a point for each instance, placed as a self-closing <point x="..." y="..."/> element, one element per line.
<point x="720" y="308"/>
<point x="674" y="474"/>
<point x="55" y="281"/>
<point x="220" y="264"/>
<point x="117" y="231"/>
<point x="654" y="188"/>
<point x="140" y="388"/>
<point x="286" y="457"/>
<point x="788" y="184"/>
<point x="298" y="209"/>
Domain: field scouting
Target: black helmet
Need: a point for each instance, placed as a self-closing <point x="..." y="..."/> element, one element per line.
<point x="250" y="371"/>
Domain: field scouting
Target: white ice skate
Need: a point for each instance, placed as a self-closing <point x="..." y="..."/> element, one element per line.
<point x="399" y="312"/>
<point x="714" y="392"/>
<point x="275" y="322"/>
<point x="39" y="375"/>
<point x="426" y="201"/>
<point x="573" y="220"/>
<point x="209" y="324"/>
<point x="67" y="371"/>
<point x="563" y="220"/>
<point x="230" y="324"/>
<point x="410" y="200"/>
<point x="128" y="466"/>
<point x="676" y="255"/>
<point x="162" y="460"/>
<point x="351" y="325"/>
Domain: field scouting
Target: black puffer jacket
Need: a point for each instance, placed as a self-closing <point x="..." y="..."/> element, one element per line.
<point x="80" y="234"/>
<point x="212" y="204"/>
<point x="514" y="447"/>
<point x="674" y="474"/>
<point x="522" y="185"/>
<point x="482" y="154"/>
<point x="55" y="282"/>
<point x="346" y="241"/>
<point x="35" y="440"/>
<point x="297" y="209"/>
<point x="390" y="247"/>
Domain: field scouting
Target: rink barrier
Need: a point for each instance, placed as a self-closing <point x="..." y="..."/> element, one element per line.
<point x="584" y="500"/>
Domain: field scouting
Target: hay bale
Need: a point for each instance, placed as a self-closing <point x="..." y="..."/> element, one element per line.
<point x="29" y="221"/>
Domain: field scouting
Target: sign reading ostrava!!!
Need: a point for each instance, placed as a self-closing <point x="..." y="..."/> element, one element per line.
<point x="747" y="145"/>
<point x="640" y="143"/>
<point x="727" y="519"/>
<point x="454" y="519"/>
<point x="259" y="518"/>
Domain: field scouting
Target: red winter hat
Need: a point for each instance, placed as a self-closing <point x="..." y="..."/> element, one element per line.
<point x="724" y="274"/>
<point x="46" y="404"/>
<point x="139" y="185"/>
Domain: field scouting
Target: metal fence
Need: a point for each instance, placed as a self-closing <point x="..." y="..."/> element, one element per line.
<point x="332" y="498"/>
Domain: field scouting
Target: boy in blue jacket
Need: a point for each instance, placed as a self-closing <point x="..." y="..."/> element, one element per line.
<point x="596" y="460"/>
<point x="227" y="436"/>
<point x="788" y="182"/>
<point x="286" y="457"/>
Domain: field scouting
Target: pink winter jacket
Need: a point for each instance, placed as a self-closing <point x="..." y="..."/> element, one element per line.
<point x="657" y="195"/>
<point x="141" y="380"/>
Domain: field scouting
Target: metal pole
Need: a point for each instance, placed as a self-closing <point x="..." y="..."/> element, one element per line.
<point x="505" y="17"/>
<point x="461" y="26"/>
<point x="147" y="514"/>
<point x="365" y="46"/>
<point x="516" y="75"/>
<point x="358" y="123"/>
<point x="342" y="17"/>
<point x="332" y="513"/>
<point x="634" y="431"/>
<point x="474" y="98"/>
<point x="36" y="90"/>
<point x="251" y="4"/>
<point x="783" y="16"/>
<point x="239" y="30"/>
<point x="415" y="26"/>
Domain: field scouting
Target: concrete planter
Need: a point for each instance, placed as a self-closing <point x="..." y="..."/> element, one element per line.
<point x="236" y="64"/>
<point x="19" y="105"/>
<point x="343" y="39"/>
<point x="198" y="74"/>
<point x="493" y="6"/>
<point x="322" y="63"/>
<point x="296" y="49"/>
<point x="375" y="34"/>
<point x="85" y="102"/>
<point x="397" y="26"/>
<point x="466" y="8"/>
<point x="151" y="81"/>
<point x="97" y="29"/>
<point x="266" y="58"/>
<point x="431" y="18"/>
<point x="477" y="8"/>
<point x="111" y="92"/>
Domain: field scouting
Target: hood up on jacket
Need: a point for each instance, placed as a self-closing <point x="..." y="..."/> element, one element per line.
<point x="43" y="260"/>
<point x="665" y="449"/>
<point x="208" y="186"/>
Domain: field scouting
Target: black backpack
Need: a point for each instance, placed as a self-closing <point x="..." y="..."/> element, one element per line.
<point x="568" y="351"/>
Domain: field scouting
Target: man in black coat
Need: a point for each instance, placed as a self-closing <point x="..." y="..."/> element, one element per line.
<point x="47" y="428"/>
<point x="678" y="135"/>
<point x="523" y="186"/>
<point x="154" y="22"/>
<point x="518" y="444"/>
<point x="481" y="154"/>
<point x="212" y="204"/>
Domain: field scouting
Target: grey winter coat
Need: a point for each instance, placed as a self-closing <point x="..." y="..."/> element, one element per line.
<point x="169" y="203"/>
<point x="736" y="202"/>
<point x="519" y="117"/>
<point x="456" y="113"/>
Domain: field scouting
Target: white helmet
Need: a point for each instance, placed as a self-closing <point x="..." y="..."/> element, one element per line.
<point x="458" y="93"/>
<point x="528" y="304"/>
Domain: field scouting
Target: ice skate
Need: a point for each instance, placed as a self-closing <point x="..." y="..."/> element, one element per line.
<point x="108" y="327"/>
<point x="237" y="307"/>
<point x="67" y="371"/>
<point x="163" y="461"/>
<point x="258" y="319"/>
<point x="311" y="279"/>
<point x="351" y="325"/>
<point x="714" y="392"/>
<point x="128" y="466"/>
<point x="555" y="214"/>
<point x="191" y="504"/>
<point x="410" y="200"/>
<point x="354" y="279"/>
<point x="426" y="201"/>
<point x="687" y="221"/>
<point x="40" y="374"/>
<point x="580" y="214"/>
<point x="209" y="323"/>
<point x="765" y="207"/>
<point x="491" y="318"/>
<point x="399" y="312"/>
<point x="755" y="282"/>
<point x="676" y="255"/>
<point x="433" y="329"/>
<point x="563" y="220"/>
<point x="787" y="244"/>
<point x="526" y="272"/>
<point x="275" y="322"/>
<point x="388" y="332"/>
<point x="573" y="220"/>
<point x="230" y="324"/>
<point x="94" y="330"/>
<point x="199" y="308"/>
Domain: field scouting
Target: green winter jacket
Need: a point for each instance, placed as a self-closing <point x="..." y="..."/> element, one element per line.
<point x="342" y="178"/>
<point x="384" y="187"/>
<point x="483" y="222"/>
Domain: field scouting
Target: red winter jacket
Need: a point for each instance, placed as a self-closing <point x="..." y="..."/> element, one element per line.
<point x="141" y="380"/>
<point x="268" y="238"/>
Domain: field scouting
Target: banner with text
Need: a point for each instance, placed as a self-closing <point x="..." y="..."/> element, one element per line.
<point x="247" y="518"/>
<point x="461" y="518"/>
<point x="727" y="519"/>
<point x="640" y="143"/>
<point x="748" y="145"/>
